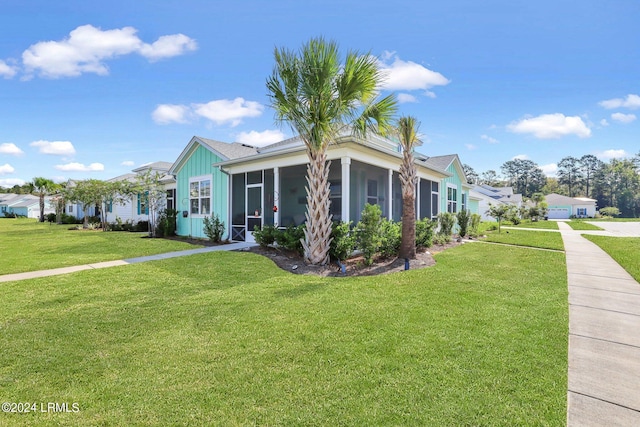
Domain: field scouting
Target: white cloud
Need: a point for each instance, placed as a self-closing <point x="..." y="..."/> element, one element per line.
<point x="7" y="71"/>
<point x="79" y="167"/>
<point x="611" y="154"/>
<point x="623" y="118"/>
<point x="489" y="139"/>
<point x="604" y="122"/>
<point x="168" y="46"/>
<point x="259" y="139"/>
<point x="407" y="75"/>
<point x="631" y="101"/>
<point x="228" y="111"/>
<point x="6" y="169"/>
<point x="170" y="113"/>
<point x="87" y="48"/>
<point x="549" y="169"/>
<point x="470" y="147"/>
<point x="520" y="157"/>
<point x="10" y="148"/>
<point x="403" y="98"/>
<point x="551" y="126"/>
<point x="10" y="182"/>
<point x="58" y="148"/>
<point x="127" y="163"/>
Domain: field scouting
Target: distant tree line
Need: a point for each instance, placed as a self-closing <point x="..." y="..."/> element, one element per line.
<point x="615" y="183"/>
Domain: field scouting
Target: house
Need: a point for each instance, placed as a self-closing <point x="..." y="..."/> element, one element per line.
<point x="137" y="209"/>
<point x="487" y="195"/>
<point x="250" y="187"/>
<point x="6" y="199"/>
<point x="563" y="207"/>
<point x="25" y="205"/>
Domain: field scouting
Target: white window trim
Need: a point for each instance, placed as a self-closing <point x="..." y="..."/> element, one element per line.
<point x="455" y="187"/>
<point x="201" y="178"/>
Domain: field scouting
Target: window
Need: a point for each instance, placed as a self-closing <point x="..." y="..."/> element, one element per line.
<point x="143" y="204"/>
<point x="464" y="202"/>
<point x="171" y="196"/>
<point x="335" y="195"/>
<point x="452" y="199"/>
<point x="435" y="198"/>
<point x="70" y="209"/>
<point x="372" y="192"/>
<point x="582" y="211"/>
<point x="200" y="196"/>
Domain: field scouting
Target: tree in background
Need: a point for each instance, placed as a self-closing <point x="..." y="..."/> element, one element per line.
<point x="491" y="178"/>
<point x="149" y="186"/>
<point x="570" y="175"/>
<point x="590" y="167"/>
<point x="471" y="174"/>
<point x="499" y="212"/>
<point x="42" y="187"/>
<point x="319" y="96"/>
<point x="524" y="176"/>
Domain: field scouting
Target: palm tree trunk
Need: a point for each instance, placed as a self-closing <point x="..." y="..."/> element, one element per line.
<point x="408" y="179"/>
<point x="318" y="231"/>
<point x="41" y="207"/>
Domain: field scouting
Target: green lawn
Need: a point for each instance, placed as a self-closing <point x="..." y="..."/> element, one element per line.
<point x="582" y="225"/>
<point x="28" y="245"/>
<point x="230" y="339"/>
<point x="624" y="250"/>
<point x="545" y="225"/>
<point x="538" y="239"/>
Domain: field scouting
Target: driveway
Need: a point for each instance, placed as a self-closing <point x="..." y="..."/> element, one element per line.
<point x="619" y="229"/>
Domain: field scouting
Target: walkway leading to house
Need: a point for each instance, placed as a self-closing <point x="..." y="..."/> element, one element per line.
<point x="604" y="336"/>
<point x="65" y="270"/>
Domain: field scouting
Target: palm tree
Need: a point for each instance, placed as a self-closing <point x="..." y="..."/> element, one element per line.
<point x="42" y="187"/>
<point x="318" y="96"/>
<point x="407" y="130"/>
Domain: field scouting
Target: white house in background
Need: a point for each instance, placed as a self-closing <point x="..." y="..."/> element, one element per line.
<point x="563" y="207"/>
<point x="137" y="209"/>
<point x="488" y="195"/>
<point x="25" y="205"/>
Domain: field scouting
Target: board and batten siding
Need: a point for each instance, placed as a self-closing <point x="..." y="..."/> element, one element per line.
<point x="453" y="180"/>
<point x="199" y="164"/>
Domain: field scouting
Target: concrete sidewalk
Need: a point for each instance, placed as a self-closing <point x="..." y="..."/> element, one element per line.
<point x="65" y="270"/>
<point x="604" y="337"/>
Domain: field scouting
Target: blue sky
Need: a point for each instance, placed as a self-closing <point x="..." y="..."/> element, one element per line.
<point x="93" y="89"/>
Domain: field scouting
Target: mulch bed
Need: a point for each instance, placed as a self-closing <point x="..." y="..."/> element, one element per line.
<point x="294" y="263"/>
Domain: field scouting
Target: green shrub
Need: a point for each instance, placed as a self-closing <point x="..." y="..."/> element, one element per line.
<point x="609" y="211"/>
<point x="266" y="235"/>
<point x="291" y="238"/>
<point x="390" y="237"/>
<point x="424" y="232"/>
<point x="441" y="239"/>
<point x="167" y="223"/>
<point x="214" y="228"/>
<point x="10" y="215"/>
<point x="70" y="219"/>
<point x="140" y="226"/>
<point x="51" y="217"/>
<point x="463" y="217"/>
<point x="343" y="241"/>
<point x="368" y="232"/>
<point x="446" y="221"/>
<point x="474" y="224"/>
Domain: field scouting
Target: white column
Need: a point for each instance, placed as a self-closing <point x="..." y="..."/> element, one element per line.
<point x="418" y="199"/>
<point x="346" y="186"/>
<point x="390" y="196"/>
<point x="276" y="195"/>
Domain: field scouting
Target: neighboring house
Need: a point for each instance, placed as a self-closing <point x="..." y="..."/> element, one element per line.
<point x="248" y="186"/>
<point x="26" y="205"/>
<point x="6" y="199"/>
<point x="487" y="195"/>
<point x="137" y="209"/>
<point x="563" y="207"/>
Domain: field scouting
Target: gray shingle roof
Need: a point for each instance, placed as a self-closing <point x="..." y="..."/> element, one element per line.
<point x="439" y="162"/>
<point x="231" y="151"/>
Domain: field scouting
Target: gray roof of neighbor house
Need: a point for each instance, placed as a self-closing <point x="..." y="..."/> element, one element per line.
<point x="158" y="166"/>
<point x="440" y="162"/>
<point x="234" y="150"/>
<point x="126" y="177"/>
<point x="558" y="199"/>
<point x="7" y="197"/>
<point x="26" y="201"/>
